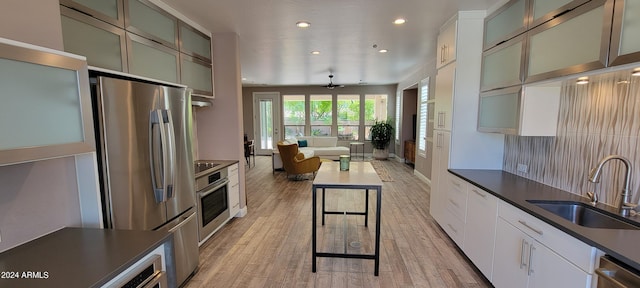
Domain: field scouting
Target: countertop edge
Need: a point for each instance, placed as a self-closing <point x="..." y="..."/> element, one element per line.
<point x="591" y="236"/>
<point x="167" y="238"/>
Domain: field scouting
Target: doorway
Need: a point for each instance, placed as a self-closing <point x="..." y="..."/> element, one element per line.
<point x="266" y="121"/>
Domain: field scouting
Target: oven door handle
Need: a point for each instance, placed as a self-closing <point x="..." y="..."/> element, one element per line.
<point x="214" y="189"/>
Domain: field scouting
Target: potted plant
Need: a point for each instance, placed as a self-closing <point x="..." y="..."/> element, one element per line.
<point x="381" y="134"/>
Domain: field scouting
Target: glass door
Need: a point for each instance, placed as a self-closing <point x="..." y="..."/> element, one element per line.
<point x="266" y="121"/>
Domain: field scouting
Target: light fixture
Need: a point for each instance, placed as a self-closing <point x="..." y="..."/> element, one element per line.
<point x="582" y="80"/>
<point x="315" y="52"/>
<point x="623" y="82"/>
<point x="244" y="78"/>
<point x="303" y="24"/>
<point x="399" y="21"/>
<point x="636" y="72"/>
<point x="383" y="50"/>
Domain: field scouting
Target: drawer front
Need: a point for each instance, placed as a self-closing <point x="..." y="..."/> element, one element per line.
<point x="572" y="249"/>
<point x="454" y="227"/>
<point x="233" y="179"/>
<point x="456" y="201"/>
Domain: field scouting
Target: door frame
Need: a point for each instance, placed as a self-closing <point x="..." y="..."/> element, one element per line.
<point x="276" y="113"/>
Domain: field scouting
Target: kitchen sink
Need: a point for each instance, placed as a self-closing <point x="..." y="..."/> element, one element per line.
<point x="582" y="214"/>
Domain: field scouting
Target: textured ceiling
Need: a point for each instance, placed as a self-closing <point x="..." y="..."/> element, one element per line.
<point x="273" y="51"/>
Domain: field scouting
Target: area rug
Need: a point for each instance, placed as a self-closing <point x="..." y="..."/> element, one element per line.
<point x="381" y="170"/>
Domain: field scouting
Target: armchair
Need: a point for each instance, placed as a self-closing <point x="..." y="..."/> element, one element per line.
<point x="294" y="162"/>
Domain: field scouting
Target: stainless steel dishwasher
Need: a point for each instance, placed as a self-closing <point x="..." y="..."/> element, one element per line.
<point x="613" y="274"/>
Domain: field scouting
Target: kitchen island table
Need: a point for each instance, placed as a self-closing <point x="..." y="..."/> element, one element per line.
<point x="360" y="176"/>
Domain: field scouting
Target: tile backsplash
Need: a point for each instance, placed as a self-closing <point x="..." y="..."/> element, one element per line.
<point x="595" y="120"/>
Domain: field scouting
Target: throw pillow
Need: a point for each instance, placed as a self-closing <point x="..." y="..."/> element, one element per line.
<point x="302" y="143"/>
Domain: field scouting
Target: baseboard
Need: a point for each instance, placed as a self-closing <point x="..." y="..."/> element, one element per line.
<point x="422" y="177"/>
<point x="243" y="212"/>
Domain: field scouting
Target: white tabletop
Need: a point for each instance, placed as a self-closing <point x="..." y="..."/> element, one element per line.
<point x="359" y="174"/>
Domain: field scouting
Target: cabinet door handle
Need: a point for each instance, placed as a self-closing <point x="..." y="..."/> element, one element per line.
<point x="523" y="250"/>
<point x="528" y="226"/>
<point x="444" y="53"/>
<point x="531" y="250"/>
<point x="481" y="195"/>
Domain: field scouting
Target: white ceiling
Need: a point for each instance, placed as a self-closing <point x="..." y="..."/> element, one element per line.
<point x="273" y="51"/>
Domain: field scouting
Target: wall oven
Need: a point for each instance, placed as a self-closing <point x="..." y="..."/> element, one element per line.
<point x="212" y="202"/>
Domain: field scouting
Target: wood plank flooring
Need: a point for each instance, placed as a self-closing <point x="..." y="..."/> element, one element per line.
<point x="271" y="245"/>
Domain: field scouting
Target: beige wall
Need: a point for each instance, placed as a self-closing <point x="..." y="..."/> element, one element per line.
<point x="247" y="95"/>
<point x="38" y="197"/>
<point x="422" y="166"/>
<point x="32" y="21"/>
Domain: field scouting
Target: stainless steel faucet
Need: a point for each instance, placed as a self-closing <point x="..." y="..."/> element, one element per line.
<point x="625" y="198"/>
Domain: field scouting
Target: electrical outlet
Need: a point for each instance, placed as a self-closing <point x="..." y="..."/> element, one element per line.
<point x="523" y="168"/>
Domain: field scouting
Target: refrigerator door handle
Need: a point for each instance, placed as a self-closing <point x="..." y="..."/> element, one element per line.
<point x="170" y="144"/>
<point x="158" y="156"/>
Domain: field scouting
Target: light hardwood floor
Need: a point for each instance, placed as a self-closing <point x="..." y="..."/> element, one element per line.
<point x="271" y="245"/>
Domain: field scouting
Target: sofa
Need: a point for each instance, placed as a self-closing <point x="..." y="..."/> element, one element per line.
<point x="325" y="147"/>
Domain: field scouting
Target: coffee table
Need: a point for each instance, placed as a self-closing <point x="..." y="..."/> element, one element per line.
<point x="361" y="176"/>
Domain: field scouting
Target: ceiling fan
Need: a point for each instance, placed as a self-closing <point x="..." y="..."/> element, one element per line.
<point x="330" y="86"/>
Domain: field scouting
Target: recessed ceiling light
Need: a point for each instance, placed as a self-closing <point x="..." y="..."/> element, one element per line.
<point x="582" y="80"/>
<point x="399" y="21"/>
<point x="383" y="50"/>
<point x="636" y="72"/>
<point x="315" y="52"/>
<point x="303" y="24"/>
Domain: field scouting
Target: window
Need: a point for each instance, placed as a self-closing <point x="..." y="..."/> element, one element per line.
<point x="348" y="117"/>
<point x="422" y="130"/>
<point x="321" y="115"/>
<point x="293" y="107"/>
<point x="375" y="108"/>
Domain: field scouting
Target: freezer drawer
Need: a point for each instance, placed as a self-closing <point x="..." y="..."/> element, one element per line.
<point x="185" y="243"/>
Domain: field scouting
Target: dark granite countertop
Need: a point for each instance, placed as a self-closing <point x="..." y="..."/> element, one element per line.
<point x="77" y="257"/>
<point x="221" y="164"/>
<point x="623" y="245"/>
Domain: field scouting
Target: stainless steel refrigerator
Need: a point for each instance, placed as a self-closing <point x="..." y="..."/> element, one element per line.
<point x="146" y="162"/>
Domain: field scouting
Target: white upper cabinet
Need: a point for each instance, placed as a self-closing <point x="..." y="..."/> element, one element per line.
<point x="625" y="43"/>
<point x="505" y="23"/>
<point x="110" y="11"/>
<point x="502" y="65"/>
<point x="446" y="52"/>
<point x="572" y="43"/>
<point x="46" y="104"/>
<point x="104" y="45"/>
<point x="444" y="97"/>
<point x="147" y="20"/>
<point x="528" y="111"/>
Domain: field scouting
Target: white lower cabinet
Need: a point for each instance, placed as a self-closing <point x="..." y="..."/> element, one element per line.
<point x="482" y="210"/>
<point x="531" y="253"/>
<point x="521" y="261"/>
<point x="234" y="190"/>
<point x="510" y="247"/>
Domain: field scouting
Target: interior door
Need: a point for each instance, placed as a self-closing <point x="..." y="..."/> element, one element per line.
<point x="266" y="121"/>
